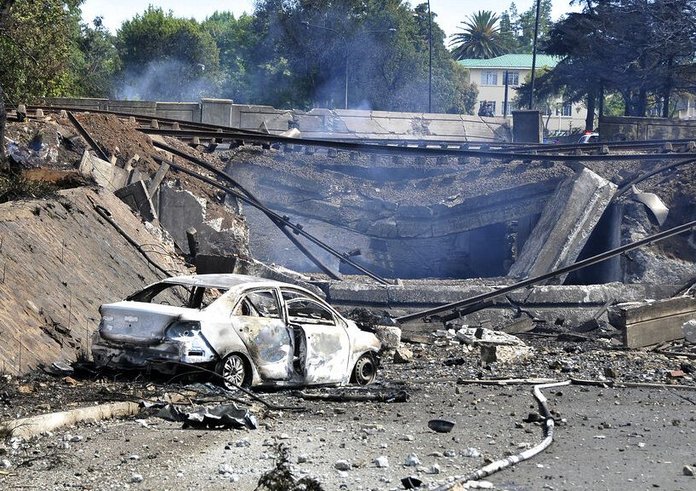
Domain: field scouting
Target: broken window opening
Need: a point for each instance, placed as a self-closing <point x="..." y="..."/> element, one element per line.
<point x="164" y="294"/>
<point x="258" y="303"/>
<point x="307" y="311"/>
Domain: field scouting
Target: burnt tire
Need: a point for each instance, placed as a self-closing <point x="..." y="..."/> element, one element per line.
<point x="234" y="372"/>
<point x="365" y="370"/>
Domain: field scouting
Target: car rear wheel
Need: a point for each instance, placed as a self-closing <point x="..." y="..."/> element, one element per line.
<point x="234" y="372"/>
<point x="365" y="370"/>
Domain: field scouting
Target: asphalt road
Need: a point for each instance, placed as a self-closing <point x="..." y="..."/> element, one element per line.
<point x="606" y="438"/>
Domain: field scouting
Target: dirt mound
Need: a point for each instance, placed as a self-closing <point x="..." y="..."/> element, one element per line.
<point x="56" y="256"/>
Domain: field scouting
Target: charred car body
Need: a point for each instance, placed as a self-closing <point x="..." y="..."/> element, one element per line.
<point x="252" y="331"/>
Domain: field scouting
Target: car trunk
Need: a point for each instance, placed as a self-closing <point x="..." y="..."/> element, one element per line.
<point x="137" y="323"/>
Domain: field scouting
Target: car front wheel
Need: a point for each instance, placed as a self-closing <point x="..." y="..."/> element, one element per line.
<point x="365" y="370"/>
<point x="234" y="372"/>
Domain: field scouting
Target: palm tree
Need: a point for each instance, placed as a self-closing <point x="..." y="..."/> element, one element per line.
<point x="480" y="37"/>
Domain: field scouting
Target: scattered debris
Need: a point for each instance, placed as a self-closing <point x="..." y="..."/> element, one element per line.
<point x="220" y="417"/>
<point x="411" y="482"/>
<point x="654" y="204"/>
<point x="498" y="465"/>
<point x="282" y="478"/>
<point x="403" y="355"/>
<point x="689" y="328"/>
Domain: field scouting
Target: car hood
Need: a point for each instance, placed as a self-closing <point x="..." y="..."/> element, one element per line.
<point x="136" y="322"/>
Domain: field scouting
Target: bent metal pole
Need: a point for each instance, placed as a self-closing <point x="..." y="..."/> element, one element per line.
<point x="566" y="269"/>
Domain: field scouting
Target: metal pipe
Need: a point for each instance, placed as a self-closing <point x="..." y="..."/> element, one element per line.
<point x="498" y="465"/>
<point x="537" y="279"/>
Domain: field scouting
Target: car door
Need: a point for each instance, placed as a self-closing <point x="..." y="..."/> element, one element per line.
<point x="257" y="319"/>
<point x="323" y="346"/>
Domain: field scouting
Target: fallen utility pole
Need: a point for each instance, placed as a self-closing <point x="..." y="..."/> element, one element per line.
<point x="297" y="229"/>
<point x="424" y="314"/>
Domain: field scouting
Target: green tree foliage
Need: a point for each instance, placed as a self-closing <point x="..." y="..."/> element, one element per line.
<point x="37" y="47"/>
<point x="517" y="30"/>
<point x="306" y="50"/>
<point x="235" y="40"/>
<point x="166" y="58"/>
<point x="95" y="61"/>
<point x="480" y="37"/>
<point x="601" y="52"/>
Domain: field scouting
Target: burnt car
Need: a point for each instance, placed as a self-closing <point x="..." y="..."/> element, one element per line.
<point x="251" y="331"/>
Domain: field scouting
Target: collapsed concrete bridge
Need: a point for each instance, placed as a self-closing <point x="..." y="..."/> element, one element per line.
<point x="417" y="217"/>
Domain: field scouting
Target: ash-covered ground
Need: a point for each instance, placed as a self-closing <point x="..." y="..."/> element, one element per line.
<point x="627" y="422"/>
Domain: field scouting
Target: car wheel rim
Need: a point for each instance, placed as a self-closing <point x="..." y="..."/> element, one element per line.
<point x="364" y="371"/>
<point x="234" y="371"/>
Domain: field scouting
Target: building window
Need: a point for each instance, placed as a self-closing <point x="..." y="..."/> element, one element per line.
<point x="486" y="108"/>
<point x="489" y="78"/>
<point x="567" y="109"/>
<point x="513" y="78"/>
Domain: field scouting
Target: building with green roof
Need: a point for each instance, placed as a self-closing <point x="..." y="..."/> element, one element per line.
<point x="489" y="76"/>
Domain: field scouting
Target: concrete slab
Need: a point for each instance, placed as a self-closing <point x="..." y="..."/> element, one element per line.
<point x="219" y="230"/>
<point x="104" y="173"/>
<point x="566" y="223"/>
<point x="137" y="197"/>
<point x="657" y="322"/>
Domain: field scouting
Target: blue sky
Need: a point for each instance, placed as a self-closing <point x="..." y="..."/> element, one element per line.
<point x="450" y="12"/>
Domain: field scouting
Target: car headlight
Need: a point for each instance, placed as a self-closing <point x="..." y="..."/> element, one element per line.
<point x="183" y="329"/>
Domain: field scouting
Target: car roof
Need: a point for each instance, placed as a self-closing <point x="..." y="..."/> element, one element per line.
<point x="226" y="281"/>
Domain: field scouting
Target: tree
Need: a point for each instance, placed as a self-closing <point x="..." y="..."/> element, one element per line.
<point x="507" y="36"/>
<point x="525" y="26"/>
<point x="5" y="6"/>
<point x="480" y="37"/>
<point x="601" y="52"/>
<point x="308" y="52"/>
<point x="37" y="42"/>
<point x="36" y="45"/>
<point x="517" y="30"/>
<point x="235" y="40"/>
<point x="165" y="57"/>
<point x="96" y="61"/>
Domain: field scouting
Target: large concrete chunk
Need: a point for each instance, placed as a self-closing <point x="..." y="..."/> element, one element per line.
<point x="220" y="231"/>
<point x="104" y="173"/>
<point x="565" y="225"/>
<point x="136" y="196"/>
<point x="653" y="323"/>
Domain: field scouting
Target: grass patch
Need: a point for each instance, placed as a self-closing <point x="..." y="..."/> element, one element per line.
<point x="15" y="186"/>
